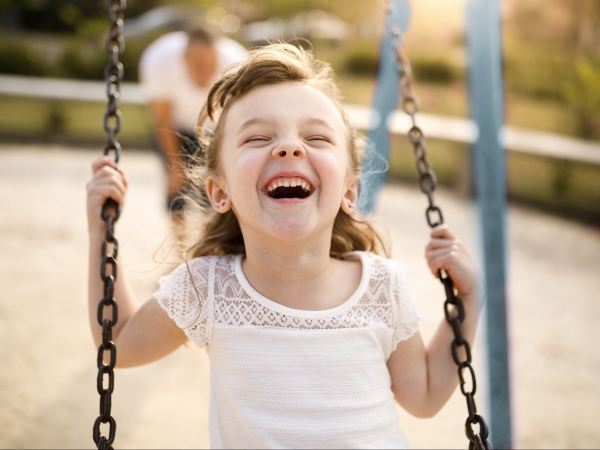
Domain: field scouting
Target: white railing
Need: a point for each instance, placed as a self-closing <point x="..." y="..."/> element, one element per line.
<point x="438" y="127"/>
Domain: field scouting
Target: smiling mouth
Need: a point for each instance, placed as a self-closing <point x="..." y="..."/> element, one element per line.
<point x="289" y="188"/>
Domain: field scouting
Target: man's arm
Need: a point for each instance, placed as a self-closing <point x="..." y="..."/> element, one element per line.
<point x="169" y="143"/>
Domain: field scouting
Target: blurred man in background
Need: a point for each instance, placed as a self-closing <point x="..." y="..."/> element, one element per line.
<point x="176" y="72"/>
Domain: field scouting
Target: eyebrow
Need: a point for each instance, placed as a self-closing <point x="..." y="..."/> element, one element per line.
<point x="248" y="123"/>
<point x="316" y="121"/>
<point x="259" y="121"/>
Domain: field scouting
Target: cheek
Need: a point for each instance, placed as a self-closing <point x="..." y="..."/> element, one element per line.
<point x="333" y="174"/>
<point x="243" y="173"/>
<point x="336" y="165"/>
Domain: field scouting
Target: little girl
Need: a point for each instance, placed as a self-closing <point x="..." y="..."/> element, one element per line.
<point x="312" y="334"/>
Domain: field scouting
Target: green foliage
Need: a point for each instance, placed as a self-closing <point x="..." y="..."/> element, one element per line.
<point x="79" y="59"/>
<point x="69" y="14"/>
<point x="20" y="59"/>
<point x="88" y="62"/>
<point x="582" y="93"/>
<point x="285" y="9"/>
<point x="137" y="7"/>
<point x="362" y="58"/>
<point x="55" y="122"/>
<point x="91" y="27"/>
<point x="536" y="69"/>
<point x="82" y="62"/>
<point x="434" y="70"/>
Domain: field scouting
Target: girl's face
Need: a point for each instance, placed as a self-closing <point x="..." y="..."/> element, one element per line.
<point x="284" y="163"/>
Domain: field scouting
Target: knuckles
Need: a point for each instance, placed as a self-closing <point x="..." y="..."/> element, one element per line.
<point x="107" y="170"/>
<point x="107" y="182"/>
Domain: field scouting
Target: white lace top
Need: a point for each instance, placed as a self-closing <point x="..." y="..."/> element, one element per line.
<point x="288" y="378"/>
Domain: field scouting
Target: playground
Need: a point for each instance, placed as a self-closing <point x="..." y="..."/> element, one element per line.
<point x="48" y="385"/>
<point x="521" y="193"/>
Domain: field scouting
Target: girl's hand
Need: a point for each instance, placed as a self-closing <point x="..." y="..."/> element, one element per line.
<point x="445" y="251"/>
<point x="108" y="181"/>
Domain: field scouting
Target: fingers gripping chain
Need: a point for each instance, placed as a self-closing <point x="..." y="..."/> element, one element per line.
<point x="107" y="308"/>
<point x="453" y="306"/>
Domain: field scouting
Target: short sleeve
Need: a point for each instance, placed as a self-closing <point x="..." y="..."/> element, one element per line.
<point x="184" y="295"/>
<point x="158" y="66"/>
<point x="407" y="316"/>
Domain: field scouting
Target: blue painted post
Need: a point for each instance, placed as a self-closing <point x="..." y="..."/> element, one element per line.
<point x="484" y="44"/>
<point x="385" y="102"/>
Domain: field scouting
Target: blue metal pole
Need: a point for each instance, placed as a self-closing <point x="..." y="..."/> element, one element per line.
<point x="385" y="102"/>
<point x="484" y="43"/>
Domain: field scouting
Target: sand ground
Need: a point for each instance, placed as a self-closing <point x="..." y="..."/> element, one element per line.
<point x="47" y="381"/>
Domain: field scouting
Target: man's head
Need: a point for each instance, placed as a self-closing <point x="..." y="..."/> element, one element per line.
<point x="201" y="56"/>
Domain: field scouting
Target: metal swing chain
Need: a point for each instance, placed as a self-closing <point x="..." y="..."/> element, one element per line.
<point x="113" y="74"/>
<point x="433" y="213"/>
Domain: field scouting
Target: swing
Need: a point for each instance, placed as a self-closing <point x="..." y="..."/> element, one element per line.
<point x="115" y="45"/>
<point x="396" y="23"/>
<point x="113" y="74"/>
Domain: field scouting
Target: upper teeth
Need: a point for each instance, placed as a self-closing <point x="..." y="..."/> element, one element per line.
<point x="289" y="182"/>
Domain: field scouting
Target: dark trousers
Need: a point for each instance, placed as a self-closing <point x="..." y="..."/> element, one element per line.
<point x="189" y="147"/>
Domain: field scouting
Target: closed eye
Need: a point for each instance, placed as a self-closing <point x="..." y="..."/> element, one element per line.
<point x="257" y="138"/>
<point x="318" y="138"/>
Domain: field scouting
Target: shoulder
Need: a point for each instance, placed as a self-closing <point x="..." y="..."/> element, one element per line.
<point x="199" y="264"/>
<point x="195" y="270"/>
<point x="202" y="265"/>
<point x="377" y="266"/>
<point x="169" y="42"/>
<point x="193" y="278"/>
<point x="388" y="288"/>
<point x="186" y="295"/>
<point x="163" y="51"/>
<point x="380" y="275"/>
<point x="230" y="51"/>
<point x="386" y="274"/>
<point x="201" y="268"/>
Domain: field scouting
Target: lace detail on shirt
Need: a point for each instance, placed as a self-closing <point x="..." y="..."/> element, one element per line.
<point x="234" y="306"/>
<point x="386" y="301"/>
<point x="407" y="315"/>
<point x="185" y="301"/>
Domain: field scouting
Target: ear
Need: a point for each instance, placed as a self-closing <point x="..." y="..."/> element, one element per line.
<point x="350" y="198"/>
<point x="217" y="194"/>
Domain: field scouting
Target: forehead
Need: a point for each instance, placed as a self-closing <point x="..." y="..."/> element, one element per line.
<point x="285" y="101"/>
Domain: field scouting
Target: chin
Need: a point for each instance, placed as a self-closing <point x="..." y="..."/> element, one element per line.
<point x="291" y="231"/>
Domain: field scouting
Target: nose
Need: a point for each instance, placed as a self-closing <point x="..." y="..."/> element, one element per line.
<point x="289" y="149"/>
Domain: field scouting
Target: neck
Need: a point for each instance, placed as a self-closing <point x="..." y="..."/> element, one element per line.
<point x="288" y="262"/>
<point x="286" y="271"/>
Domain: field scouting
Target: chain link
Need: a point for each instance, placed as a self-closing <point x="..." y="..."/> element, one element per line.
<point x="453" y="306"/>
<point x="108" y="312"/>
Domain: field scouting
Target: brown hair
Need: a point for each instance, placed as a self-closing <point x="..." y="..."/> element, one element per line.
<point x="199" y="33"/>
<point x="220" y="234"/>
